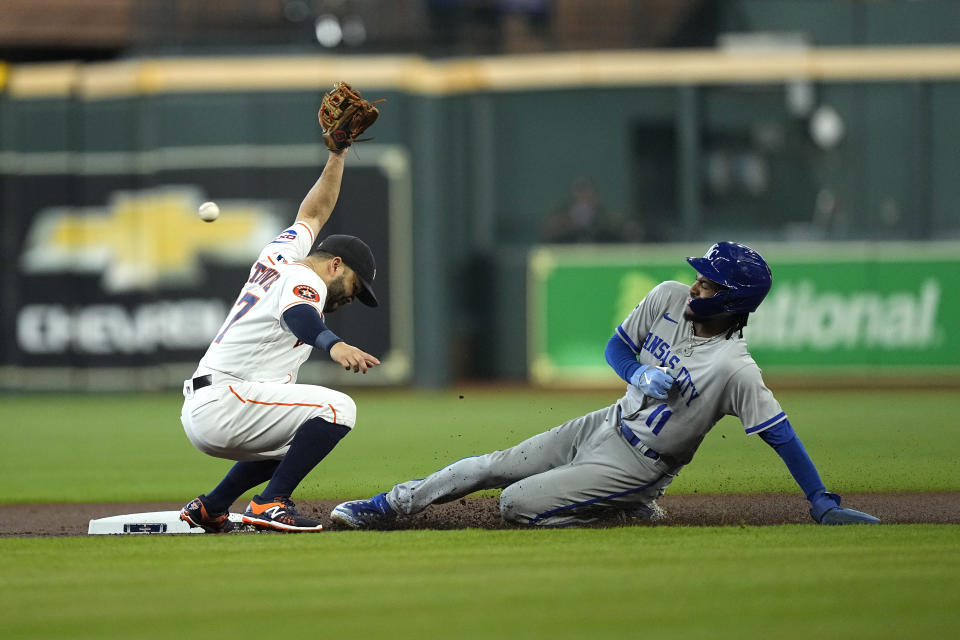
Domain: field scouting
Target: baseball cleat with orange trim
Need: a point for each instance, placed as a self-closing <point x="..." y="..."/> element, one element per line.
<point x="278" y="514"/>
<point x="196" y="514"/>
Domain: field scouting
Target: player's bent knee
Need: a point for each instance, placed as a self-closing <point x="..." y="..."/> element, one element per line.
<point x="507" y="511"/>
<point x="344" y="409"/>
<point x="513" y="508"/>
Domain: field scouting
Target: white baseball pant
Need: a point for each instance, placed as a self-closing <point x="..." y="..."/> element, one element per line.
<point x="240" y="420"/>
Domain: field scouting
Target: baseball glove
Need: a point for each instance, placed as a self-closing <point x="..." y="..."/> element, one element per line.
<point x="344" y="115"/>
<point x="826" y="509"/>
<point x="842" y="515"/>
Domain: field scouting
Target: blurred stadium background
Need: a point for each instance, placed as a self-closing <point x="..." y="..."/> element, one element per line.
<point x="539" y="164"/>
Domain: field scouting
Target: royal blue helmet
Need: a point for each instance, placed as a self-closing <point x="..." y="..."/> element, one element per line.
<point x="743" y="272"/>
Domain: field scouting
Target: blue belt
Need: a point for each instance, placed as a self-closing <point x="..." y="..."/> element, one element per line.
<point x="635" y="441"/>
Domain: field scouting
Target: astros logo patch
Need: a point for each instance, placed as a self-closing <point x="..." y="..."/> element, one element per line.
<point x="307" y="293"/>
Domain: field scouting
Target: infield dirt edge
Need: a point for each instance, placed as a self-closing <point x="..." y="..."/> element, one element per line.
<point x="58" y="520"/>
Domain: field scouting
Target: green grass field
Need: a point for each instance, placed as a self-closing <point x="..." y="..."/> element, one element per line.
<point x="690" y="582"/>
<point x="780" y="582"/>
<point x="92" y="448"/>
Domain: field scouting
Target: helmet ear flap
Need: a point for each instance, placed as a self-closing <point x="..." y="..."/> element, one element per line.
<point x="709" y="306"/>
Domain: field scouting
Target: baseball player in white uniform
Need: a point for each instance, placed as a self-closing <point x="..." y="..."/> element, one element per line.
<point x="683" y="356"/>
<point x="242" y="402"/>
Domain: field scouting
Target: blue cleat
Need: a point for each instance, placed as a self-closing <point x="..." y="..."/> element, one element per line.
<point x="363" y="514"/>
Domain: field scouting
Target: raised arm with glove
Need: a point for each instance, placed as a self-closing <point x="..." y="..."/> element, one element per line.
<point x="344" y="115"/>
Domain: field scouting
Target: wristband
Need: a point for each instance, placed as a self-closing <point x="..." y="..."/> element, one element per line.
<point x="326" y="340"/>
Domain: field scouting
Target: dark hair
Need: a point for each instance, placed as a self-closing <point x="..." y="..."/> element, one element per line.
<point x="738" y="324"/>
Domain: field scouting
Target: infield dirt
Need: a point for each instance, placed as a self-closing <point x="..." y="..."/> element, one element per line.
<point x="56" y="520"/>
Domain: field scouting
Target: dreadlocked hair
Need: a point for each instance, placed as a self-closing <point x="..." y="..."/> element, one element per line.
<point x="738" y="324"/>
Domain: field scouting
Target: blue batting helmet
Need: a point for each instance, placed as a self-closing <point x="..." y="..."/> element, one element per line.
<point x="743" y="272"/>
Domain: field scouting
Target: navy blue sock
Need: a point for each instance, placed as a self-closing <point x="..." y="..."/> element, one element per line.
<point x="242" y="477"/>
<point x="313" y="441"/>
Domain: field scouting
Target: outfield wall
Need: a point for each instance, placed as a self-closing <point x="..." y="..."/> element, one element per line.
<point x="696" y="145"/>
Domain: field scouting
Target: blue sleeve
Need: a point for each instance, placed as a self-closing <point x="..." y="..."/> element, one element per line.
<point x="620" y="357"/>
<point x="785" y="442"/>
<point x="306" y="323"/>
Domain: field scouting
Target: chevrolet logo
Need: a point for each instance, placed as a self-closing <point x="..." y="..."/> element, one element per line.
<point x="146" y="239"/>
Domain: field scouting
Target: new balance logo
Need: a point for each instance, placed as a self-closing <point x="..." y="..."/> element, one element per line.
<point x="280" y="515"/>
<point x="274" y="512"/>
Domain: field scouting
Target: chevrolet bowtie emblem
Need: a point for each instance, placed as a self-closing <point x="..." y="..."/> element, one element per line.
<point x="146" y="239"/>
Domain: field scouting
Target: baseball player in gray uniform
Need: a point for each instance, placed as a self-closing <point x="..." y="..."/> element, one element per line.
<point x="682" y="353"/>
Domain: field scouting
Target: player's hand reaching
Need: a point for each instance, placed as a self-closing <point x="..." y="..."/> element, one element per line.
<point x="653" y="381"/>
<point x="352" y="358"/>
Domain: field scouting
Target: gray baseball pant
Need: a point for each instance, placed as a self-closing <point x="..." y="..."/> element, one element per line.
<point x="572" y="474"/>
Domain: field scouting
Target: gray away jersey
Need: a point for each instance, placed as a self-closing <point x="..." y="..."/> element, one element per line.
<point x="714" y="377"/>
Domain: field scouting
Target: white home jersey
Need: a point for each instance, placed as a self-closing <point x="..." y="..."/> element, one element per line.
<point x="253" y="343"/>
<point x="714" y="377"/>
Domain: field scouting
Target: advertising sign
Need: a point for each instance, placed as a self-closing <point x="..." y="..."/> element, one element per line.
<point x="841" y="308"/>
<point x="113" y="276"/>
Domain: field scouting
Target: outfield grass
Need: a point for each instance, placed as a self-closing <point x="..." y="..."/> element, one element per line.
<point x="92" y="448"/>
<point x="804" y="581"/>
<point x="731" y="582"/>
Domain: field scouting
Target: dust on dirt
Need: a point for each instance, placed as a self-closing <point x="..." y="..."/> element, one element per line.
<point x="58" y="520"/>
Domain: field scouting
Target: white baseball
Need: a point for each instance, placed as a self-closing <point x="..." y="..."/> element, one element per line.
<point x="209" y="211"/>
